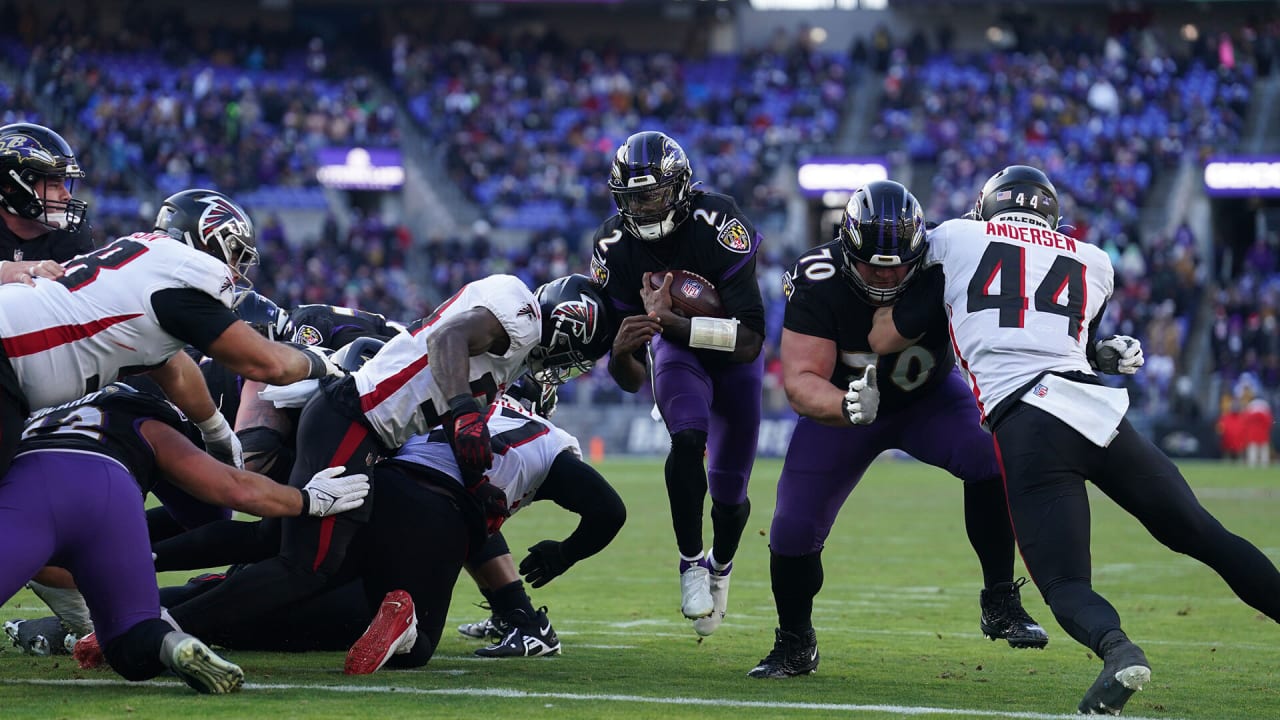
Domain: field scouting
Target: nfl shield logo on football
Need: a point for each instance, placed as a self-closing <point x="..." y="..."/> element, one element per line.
<point x="1040" y="390"/>
<point x="691" y="288"/>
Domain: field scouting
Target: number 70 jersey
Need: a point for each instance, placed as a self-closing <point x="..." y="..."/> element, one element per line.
<point x="1020" y="300"/>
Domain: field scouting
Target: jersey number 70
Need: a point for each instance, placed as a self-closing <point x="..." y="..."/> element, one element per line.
<point x="1061" y="292"/>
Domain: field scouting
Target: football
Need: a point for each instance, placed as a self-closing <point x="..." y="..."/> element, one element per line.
<point x="691" y="294"/>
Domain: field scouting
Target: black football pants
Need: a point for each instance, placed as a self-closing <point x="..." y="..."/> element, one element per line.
<point x="312" y="550"/>
<point x="1045" y="464"/>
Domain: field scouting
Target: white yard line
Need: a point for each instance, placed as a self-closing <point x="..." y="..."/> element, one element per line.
<point x="504" y="693"/>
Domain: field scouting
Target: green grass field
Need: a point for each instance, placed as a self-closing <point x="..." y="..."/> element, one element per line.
<point x="896" y="619"/>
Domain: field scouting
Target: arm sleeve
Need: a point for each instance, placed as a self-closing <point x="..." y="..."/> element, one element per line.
<point x="579" y="488"/>
<point x="192" y="316"/>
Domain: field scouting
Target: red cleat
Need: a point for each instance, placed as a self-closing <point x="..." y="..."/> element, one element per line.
<point x="88" y="653"/>
<point x="393" y="631"/>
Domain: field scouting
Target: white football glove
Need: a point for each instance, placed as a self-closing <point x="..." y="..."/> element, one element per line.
<point x="321" y="364"/>
<point x="863" y="399"/>
<point x="1119" y="355"/>
<point x="330" y="492"/>
<point x="220" y="440"/>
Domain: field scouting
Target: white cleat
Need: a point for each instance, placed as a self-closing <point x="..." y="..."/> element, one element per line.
<point x="695" y="592"/>
<point x="720" y="598"/>
<point x="200" y="667"/>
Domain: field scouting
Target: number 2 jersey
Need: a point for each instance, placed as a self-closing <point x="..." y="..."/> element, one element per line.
<point x="398" y="396"/>
<point x="1022" y="301"/>
<point x="524" y="447"/>
<point x="716" y="241"/>
<point x="114" y="312"/>
<point x="107" y="423"/>
<point x="822" y="303"/>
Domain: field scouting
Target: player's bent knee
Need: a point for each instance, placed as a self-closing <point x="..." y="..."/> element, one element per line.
<point x="690" y="442"/>
<point x="135" y="654"/>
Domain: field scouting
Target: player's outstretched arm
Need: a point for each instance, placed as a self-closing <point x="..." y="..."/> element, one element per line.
<point x="579" y="488"/>
<point x="186" y="466"/>
<point x="252" y="356"/>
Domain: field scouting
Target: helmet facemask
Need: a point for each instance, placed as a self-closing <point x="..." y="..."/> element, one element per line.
<point x="576" y="330"/>
<point x="28" y="168"/>
<point x="650" y="183"/>
<point x="882" y="227"/>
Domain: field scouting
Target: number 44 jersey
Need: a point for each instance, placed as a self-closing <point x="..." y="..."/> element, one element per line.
<point x="70" y="336"/>
<point x="1021" y="301"/>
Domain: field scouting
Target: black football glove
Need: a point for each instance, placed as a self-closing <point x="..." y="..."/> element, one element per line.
<point x="471" y="445"/>
<point x="493" y="501"/>
<point x="544" y="563"/>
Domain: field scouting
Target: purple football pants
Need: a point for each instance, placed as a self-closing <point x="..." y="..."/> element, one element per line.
<point x="824" y="463"/>
<point x="723" y="403"/>
<point x="82" y="512"/>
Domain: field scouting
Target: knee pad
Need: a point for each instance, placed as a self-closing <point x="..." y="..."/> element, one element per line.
<point x="689" y="443"/>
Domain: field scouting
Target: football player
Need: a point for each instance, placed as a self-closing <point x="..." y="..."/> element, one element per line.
<point x="132" y="306"/>
<point x="72" y="493"/>
<point x="533" y="460"/>
<point x="40" y="219"/>
<point x="706" y="372"/>
<point x="478" y="342"/>
<point x="1024" y="303"/>
<point x="855" y="404"/>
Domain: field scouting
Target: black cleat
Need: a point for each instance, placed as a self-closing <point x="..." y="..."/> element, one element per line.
<point x="792" y="655"/>
<point x="1124" y="671"/>
<point x="527" y="637"/>
<point x="492" y="628"/>
<point x="1004" y="619"/>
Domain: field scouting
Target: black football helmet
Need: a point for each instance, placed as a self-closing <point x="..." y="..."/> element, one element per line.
<point x="883" y="226"/>
<point x="650" y="183"/>
<point x="1019" y="189"/>
<point x="29" y="154"/>
<point x="577" y="329"/>
<point x="352" y="356"/>
<point x="214" y="224"/>
<point x="263" y="315"/>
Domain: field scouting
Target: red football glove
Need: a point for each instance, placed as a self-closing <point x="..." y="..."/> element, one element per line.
<point x="471" y="445"/>
<point x="494" y="503"/>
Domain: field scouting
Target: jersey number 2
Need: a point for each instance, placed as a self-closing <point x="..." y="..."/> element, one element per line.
<point x="1061" y="292"/>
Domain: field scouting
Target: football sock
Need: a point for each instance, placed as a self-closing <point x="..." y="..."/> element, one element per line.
<point x="727" y="523"/>
<point x="511" y="597"/>
<point x="796" y="581"/>
<point x="686" y="488"/>
<point x="986" y="520"/>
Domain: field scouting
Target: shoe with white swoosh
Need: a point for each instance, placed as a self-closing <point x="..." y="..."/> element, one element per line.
<point x="528" y="637"/>
<point x="394" y="631"/>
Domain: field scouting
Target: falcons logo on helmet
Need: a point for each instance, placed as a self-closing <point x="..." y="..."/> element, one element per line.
<point x="578" y="318"/>
<point x="221" y="219"/>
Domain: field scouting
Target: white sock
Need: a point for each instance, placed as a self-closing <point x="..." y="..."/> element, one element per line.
<point x="693" y="559"/>
<point x="716" y="564"/>
<point x="68" y="604"/>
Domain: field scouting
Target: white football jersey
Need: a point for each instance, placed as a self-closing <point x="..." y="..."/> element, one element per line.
<point x="1020" y="300"/>
<point x="524" y="447"/>
<point x="397" y="393"/>
<point x="68" y="337"/>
